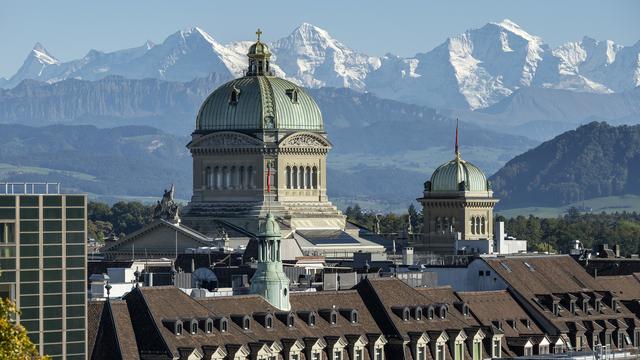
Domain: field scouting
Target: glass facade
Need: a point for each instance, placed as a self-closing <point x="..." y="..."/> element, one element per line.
<point x="43" y="262"/>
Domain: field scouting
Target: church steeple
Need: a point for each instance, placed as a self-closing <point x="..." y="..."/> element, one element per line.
<point x="269" y="280"/>
<point x="259" y="55"/>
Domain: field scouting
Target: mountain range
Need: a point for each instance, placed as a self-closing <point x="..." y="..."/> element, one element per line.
<point x="472" y="70"/>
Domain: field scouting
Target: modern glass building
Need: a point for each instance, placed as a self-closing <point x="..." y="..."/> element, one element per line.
<point x="43" y="264"/>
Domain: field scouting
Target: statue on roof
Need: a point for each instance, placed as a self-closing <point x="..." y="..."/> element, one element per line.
<point x="167" y="208"/>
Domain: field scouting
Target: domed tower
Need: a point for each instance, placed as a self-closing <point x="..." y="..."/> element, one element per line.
<point x="457" y="205"/>
<point x="260" y="144"/>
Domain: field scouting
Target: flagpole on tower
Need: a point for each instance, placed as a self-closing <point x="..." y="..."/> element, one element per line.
<point x="457" y="145"/>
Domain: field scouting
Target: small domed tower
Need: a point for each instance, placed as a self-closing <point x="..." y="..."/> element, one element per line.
<point x="269" y="280"/>
<point x="457" y="204"/>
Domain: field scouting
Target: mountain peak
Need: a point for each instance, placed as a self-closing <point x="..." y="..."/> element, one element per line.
<point x="42" y="55"/>
<point x="515" y="29"/>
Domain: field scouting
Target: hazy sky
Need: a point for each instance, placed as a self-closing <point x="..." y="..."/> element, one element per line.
<point x="69" y="28"/>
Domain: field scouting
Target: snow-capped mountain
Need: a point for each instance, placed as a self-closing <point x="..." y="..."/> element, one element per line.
<point x="473" y="70"/>
<point x="314" y="59"/>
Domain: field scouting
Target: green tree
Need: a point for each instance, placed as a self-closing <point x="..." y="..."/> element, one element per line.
<point x="14" y="342"/>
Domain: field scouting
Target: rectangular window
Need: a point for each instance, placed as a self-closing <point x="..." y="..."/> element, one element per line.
<point x="52" y="312"/>
<point x="7" y="291"/>
<point x="52" y="238"/>
<point x="29" y="288"/>
<point x="30" y="263"/>
<point x="528" y="351"/>
<point x="543" y="349"/>
<point x="75" y="311"/>
<point x="75" y="335"/>
<point x="75" y="238"/>
<point x="52" y="337"/>
<point x="52" y="287"/>
<point x="75" y="286"/>
<point x="357" y="354"/>
<point x="497" y="348"/>
<point x="75" y="200"/>
<point x="440" y="351"/>
<point x="29" y="225"/>
<point x="420" y="352"/>
<point x="76" y="299"/>
<point x="52" y="300"/>
<point x="7" y="200"/>
<point x="53" y="349"/>
<point x="459" y="351"/>
<point x="477" y="350"/>
<point x="55" y="324"/>
<point x="75" y="250"/>
<point x="52" y="201"/>
<point x="29" y="201"/>
<point x="75" y="323"/>
<point x="7" y="213"/>
<point x="52" y="275"/>
<point x="75" y="262"/>
<point x="294" y="357"/>
<point x="75" y="275"/>
<point x="29" y="276"/>
<point x="75" y="225"/>
<point x="30" y="313"/>
<point x="75" y="213"/>
<point x="29" y="213"/>
<point x="52" y="263"/>
<point x="379" y="354"/>
<point x="75" y="348"/>
<point x="337" y="355"/>
<point x="52" y="250"/>
<point x="52" y="213"/>
<point x="52" y="225"/>
<point x="29" y="239"/>
<point x="29" y="251"/>
<point x="315" y="355"/>
<point x="7" y="233"/>
<point x="29" y="300"/>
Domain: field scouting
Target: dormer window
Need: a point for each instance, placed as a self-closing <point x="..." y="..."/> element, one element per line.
<point x="233" y="98"/>
<point x="224" y="325"/>
<point x="194" y="327"/>
<point x="268" y="322"/>
<point x="465" y="309"/>
<point x="443" y="311"/>
<point x="209" y="326"/>
<point x="354" y="317"/>
<point x="290" y="320"/>
<point x="333" y="318"/>
<point x="178" y="328"/>
<point x="572" y="307"/>
<point x="418" y="313"/>
<point x="430" y="313"/>
<point x="597" y="305"/>
<point x="246" y="324"/>
<point x="293" y="95"/>
<point x="312" y="320"/>
<point x="585" y="306"/>
<point x="405" y="314"/>
<point x="556" y="309"/>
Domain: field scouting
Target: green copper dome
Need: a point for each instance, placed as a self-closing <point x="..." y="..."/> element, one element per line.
<point x="259" y="101"/>
<point x="449" y="176"/>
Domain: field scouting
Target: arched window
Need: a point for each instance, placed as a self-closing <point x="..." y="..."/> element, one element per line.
<point x="443" y="312"/>
<point x="301" y="177"/>
<point x="233" y="176"/>
<point x="354" y="316"/>
<point x="295" y="177"/>
<point x="307" y="178"/>
<point x="430" y="313"/>
<point x="242" y="178"/>
<point x="250" y="178"/>
<point x="438" y="224"/>
<point x="473" y="225"/>
<point x="477" y="225"/>
<point x="290" y="320"/>
<point x="312" y="320"/>
<point x="314" y="177"/>
<point x="194" y="327"/>
<point x="405" y="314"/>
<point x="484" y="230"/>
<point x="179" y="328"/>
<point x="246" y="324"/>
<point x="334" y="318"/>
<point x="288" y="176"/>
<point x="217" y="176"/>
<point x="418" y="314"/>
<point x="209" y="326"/>
<point x="208" y="178"/>
<point x="233" y="99"/>
<point x="224" y="326"/>
<point x="268" y="322"/>
<point x="225" y="177"/>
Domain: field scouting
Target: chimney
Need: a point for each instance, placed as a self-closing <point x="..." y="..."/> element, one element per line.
<point x="499" y="236"/>
<point x="407" y="256"/>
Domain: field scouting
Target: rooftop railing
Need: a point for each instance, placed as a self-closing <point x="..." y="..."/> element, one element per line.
<point x="25" y="188"/>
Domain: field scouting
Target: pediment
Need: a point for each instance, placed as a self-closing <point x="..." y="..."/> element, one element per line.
<point x="304" y="140"/>
<point x="226" y="139"/>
